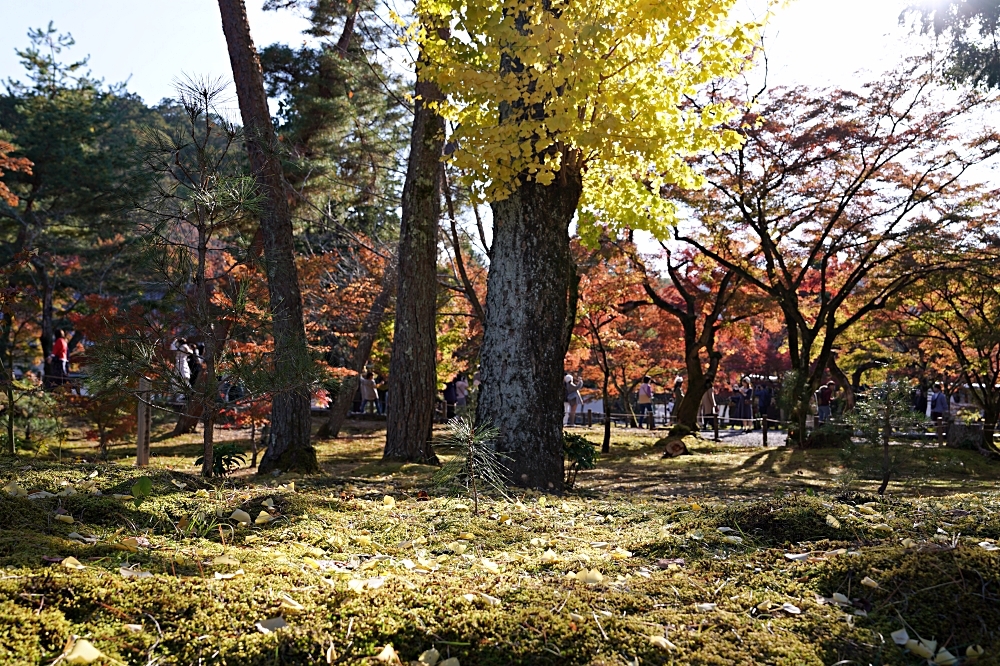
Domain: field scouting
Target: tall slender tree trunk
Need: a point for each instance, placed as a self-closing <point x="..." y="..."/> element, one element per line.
<point x="341" y="405"/>
<point x="524" y="345"/>
<point x="412" y="368"/>
<point x="289" y="447"/>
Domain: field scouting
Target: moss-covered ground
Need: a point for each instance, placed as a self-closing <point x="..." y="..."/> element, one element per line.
<point x="726" y="556"/>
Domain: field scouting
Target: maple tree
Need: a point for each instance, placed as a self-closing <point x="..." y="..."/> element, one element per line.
<point x="560" y="107"/>
<point x="703" y="298"/>
<point x="960" y="312"/>
<point x="836" y="202"/>
<point x="621" y="345"/>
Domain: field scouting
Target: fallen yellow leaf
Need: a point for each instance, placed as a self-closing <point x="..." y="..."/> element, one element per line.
<point x="240" y="516"/>
<point x="64" y="518"/>
<point x="72" y="563"/>
<point x="83" y="652"/>
<point x="388" y="655"/>
<point x="662" y="642"/>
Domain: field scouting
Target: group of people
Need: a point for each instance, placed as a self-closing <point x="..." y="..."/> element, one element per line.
<point x="456" y="393"/>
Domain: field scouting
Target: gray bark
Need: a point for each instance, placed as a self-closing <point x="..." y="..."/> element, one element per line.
<point x="527" y="311"/>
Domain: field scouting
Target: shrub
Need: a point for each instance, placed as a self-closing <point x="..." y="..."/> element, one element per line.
<point x="580" y="454"/>
<point x="829" y="436"/>
<point x="226" y="458"/>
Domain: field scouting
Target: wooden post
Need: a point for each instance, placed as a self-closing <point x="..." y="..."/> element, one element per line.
<point x="143" y="421"/>
<point x="715" y="423"/>
<point x="763" y="424"/>
<point x="590" y="417"/>
<point x="651" y="420"/>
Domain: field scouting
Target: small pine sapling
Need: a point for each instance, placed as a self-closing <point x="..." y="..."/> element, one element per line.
<point x="476" y="464"/>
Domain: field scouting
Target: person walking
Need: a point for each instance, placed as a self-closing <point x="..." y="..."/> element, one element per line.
<point x="823" y="402"/>
<point x="939" y="411"/>
<point x="369" y="394"/>
<point x="645" y="400"/>
<point x="461" y="391"/>
<point x="573" y="398"/>
<point x="708" y="408"/>
<point x="745" y="391"/>
<point x="59" y="360"/>
<point x="450" y="399"/>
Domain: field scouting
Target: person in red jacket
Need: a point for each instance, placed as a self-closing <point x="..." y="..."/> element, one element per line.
<point x="59" y="360"/>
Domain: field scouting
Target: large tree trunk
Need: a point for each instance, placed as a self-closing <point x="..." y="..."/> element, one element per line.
<point x="341" y="405"/>
<point x="687" y="411"/>
<point x="289" y="447"/>
<point x="527" y="303"/>
<point x="412" y="367"/>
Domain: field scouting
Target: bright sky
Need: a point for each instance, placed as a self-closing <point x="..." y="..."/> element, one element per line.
<point x="152" y="42"/>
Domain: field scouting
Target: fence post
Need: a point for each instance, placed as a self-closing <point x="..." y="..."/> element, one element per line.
<point x="763" y="422"/>
<point x="143" y="418"/>
<point x="715" y="424"/>
<point x="590" y="417"/>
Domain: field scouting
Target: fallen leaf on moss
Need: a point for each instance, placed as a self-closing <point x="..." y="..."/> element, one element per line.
<point x="79" y="537"/>
<point x="705" y="607"/>
<point x="869" y="582"/>
<point x="240" y="516"/>
<point x="388" y="655"/>
<point x="900" y="637"/>
<point x="429" y="657"/>
<point x="133" y="573"/>
<point x="620" y="554"/>
<point x="590" y="577"/>
<point x="549" y="557"/>
<point x="466" y="536"/>
<point x="661" y="642"/>
<point x="490" y="565"/>
<point x="271" y="625"/>
<point x="64" y="518"/>
<point x="263" y="518"/>
<point x="986" y="545"/>
<point x="224" y="560"/>
<point x="201" y="492"/>
<point x="945" y="658"/>
<point x="82" y="652"/>
<point x="130" y="544"/>
<point x="791" y="608"/>
<point x="290" y="605"/>
<point x="451" y="661"/>
<point x="179" y="484"/>
<point x="974" y="652"/>
<point x="797" y="557"/>
<point x="14" y="490"/>
<point x="388" y="502"/>
<point x="72" y="563"/>
<point x="832" y="522"/>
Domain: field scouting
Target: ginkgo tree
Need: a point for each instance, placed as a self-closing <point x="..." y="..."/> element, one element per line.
<point x="559" y="108"/>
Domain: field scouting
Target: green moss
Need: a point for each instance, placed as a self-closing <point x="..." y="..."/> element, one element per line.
<point x="543" y="617"/>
